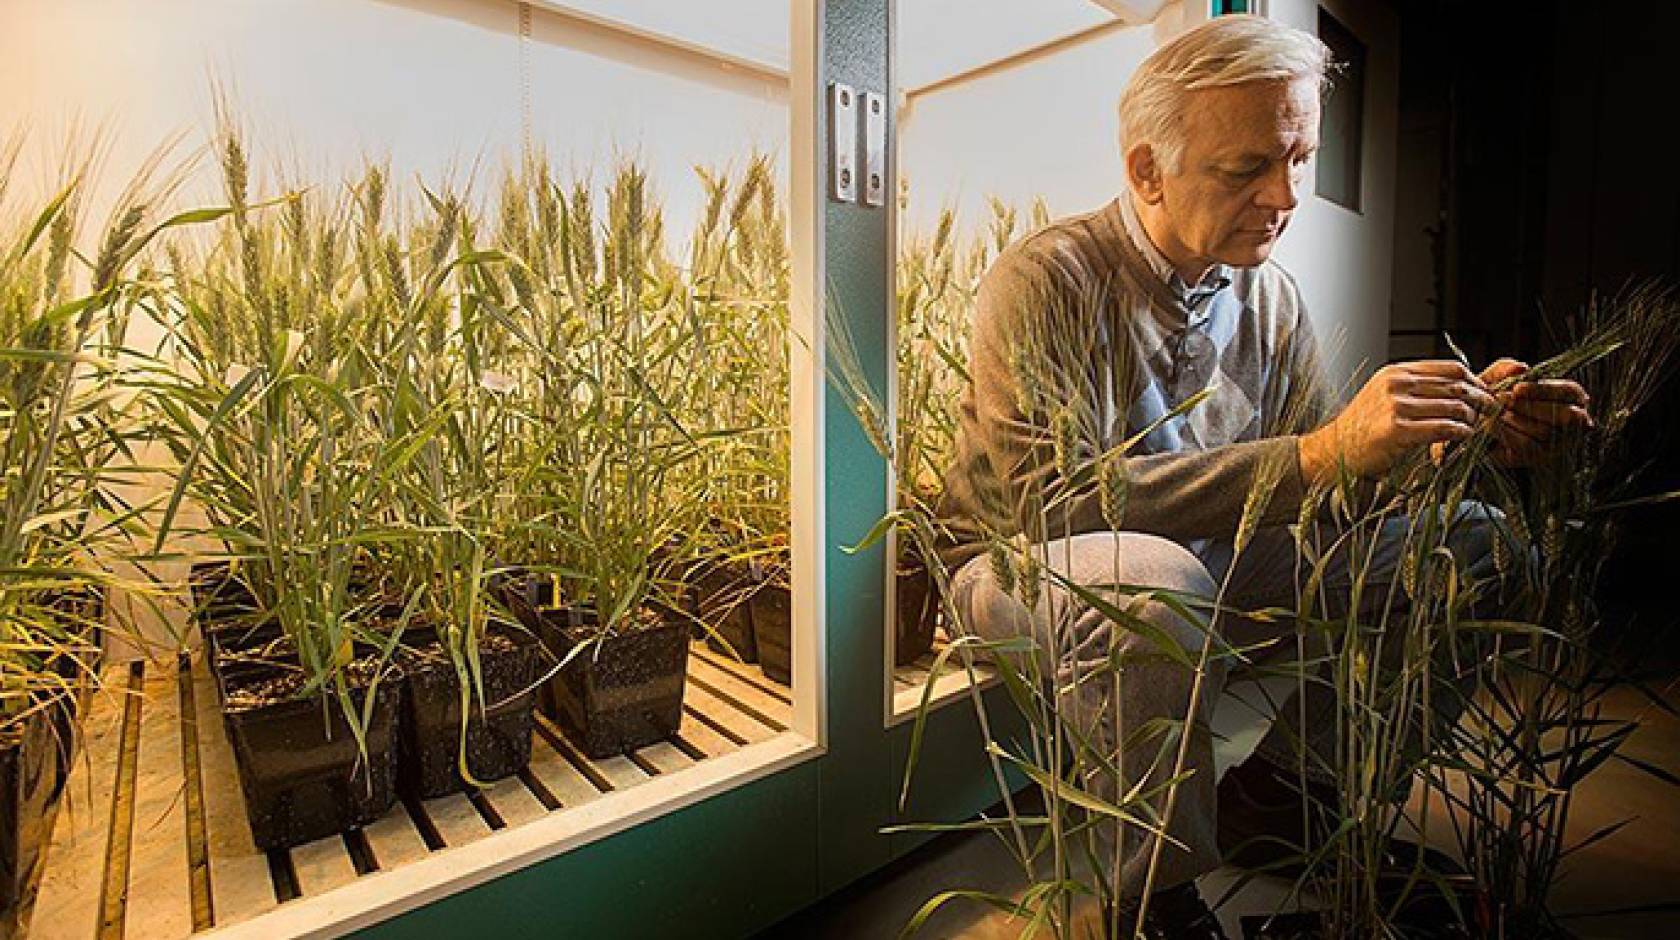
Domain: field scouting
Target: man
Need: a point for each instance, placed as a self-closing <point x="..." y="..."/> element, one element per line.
<point x="1100" y="331"/>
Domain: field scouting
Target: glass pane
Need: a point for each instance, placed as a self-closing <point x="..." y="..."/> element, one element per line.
<point x="1007" y="121"/>
<point x="461" y="412"/>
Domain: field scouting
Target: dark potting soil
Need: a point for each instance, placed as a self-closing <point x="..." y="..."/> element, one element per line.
<point x="496" y="741"/>
<point x="625" y="690"/>
<point x="243" y="637"/>
<point x="301" y="769"/>
<point x="28" y="783"/>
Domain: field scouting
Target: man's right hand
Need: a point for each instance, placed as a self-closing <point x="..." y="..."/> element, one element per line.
<point x="1404" y="406"/>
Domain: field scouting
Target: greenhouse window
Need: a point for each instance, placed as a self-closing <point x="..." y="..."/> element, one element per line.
<point x="468" y="427"/>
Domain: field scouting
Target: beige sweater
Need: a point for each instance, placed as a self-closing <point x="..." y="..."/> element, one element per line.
<point x="1082" y="339"/>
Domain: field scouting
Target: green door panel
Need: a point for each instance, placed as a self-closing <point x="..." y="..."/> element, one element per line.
<point x="952" y="779"/>
<point x="855" y="778"/>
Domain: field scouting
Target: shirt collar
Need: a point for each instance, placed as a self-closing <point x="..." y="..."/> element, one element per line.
<point x="1214" y="280"/>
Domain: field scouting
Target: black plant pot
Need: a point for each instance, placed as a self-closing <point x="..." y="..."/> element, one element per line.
<point x="918" y="614"/>
<point x="675" y="571"/>
<point x="625" y="690"/>
<point x="303" y="775"/>
<point x="226" y="612"/>
<point x="217" y="593"/>
<point x="62" y="732"/>
<point x="723" y="588"/>
<point x="1440" y="923"/>
<point x="76" y="666"/>
<point x="524" y="595"/>
<point x="29" y="777"/>
<point x="242" y="640"/>
<point x="84" y="610"/>
<point x="771" y="607"/>
<point x="533" y="601"/>
<point x="497" y="738"/>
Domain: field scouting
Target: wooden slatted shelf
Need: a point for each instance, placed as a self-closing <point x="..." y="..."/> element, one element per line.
<point x="910" y="681"/>
<point x="152" y="841"/>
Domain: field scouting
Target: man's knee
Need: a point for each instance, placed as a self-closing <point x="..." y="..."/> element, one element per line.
<point x="1123" y="567"/>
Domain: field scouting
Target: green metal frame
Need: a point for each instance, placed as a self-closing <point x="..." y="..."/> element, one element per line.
<point x="739" y="861"/>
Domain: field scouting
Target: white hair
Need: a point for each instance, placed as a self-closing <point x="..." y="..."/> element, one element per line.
<point x="1226" y="50"/>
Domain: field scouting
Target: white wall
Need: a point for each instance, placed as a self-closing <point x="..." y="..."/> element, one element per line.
<point x="1344" y="260"/>
<point x="430" y="84"/>
<point x="1049" y="128"/>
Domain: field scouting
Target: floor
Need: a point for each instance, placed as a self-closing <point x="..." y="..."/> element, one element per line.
<point x="1625" y="886"/>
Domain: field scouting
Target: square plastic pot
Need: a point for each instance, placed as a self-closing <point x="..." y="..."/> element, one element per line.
<point x="302" y="773"/>
<point x="29" y="778"/>
<point x="497" y="738"/>
<point x="723" y="589"/>
<point x="918" y="614"/>
<point x="625" y="690"/>
<point x="771" y="608"/>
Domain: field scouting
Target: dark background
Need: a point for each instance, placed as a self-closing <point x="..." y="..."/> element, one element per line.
<point x="1536" y="162"/>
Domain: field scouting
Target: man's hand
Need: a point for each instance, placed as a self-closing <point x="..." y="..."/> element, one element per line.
<point x="1403" y="407"/>
<point x="1533" y="412"/>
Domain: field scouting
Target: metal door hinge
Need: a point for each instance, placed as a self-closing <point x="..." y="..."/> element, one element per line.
<point x="843" y="128"/>
<point x="874" y="149"/>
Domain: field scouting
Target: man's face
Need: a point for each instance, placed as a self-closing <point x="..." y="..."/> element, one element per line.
<point x="1245" y="156"/>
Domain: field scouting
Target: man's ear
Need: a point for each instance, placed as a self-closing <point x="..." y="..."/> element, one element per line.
<point x="1143" y="171"/>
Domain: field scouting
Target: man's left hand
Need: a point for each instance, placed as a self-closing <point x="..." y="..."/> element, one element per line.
<point x="1533" y="413"/>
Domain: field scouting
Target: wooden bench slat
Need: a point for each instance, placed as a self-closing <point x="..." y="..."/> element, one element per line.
<point x="513" y="802"/>
<point x="705" y="738"/>
<point x="323" y="865"/>
<point x="719" y="684"/>
<point x="456" y="819"/>
<point x="240" y="886"/>
<point x="747" y="674"/>
<point x="556" y="773"/>
<point x="666" y="757"/>
<point x="67" y="903"/>
<point x="394" y="840"/>
<point x="728" y="715"/>
<point x="620" y="772"/>
<point x="159" y="894"/>
<point x="736" y="702"/>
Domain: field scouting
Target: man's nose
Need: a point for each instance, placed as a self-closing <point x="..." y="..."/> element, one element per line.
<point x="1277" y="193"/>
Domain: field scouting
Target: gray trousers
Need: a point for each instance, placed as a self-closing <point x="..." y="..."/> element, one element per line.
<point x="1151" y="686"/>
